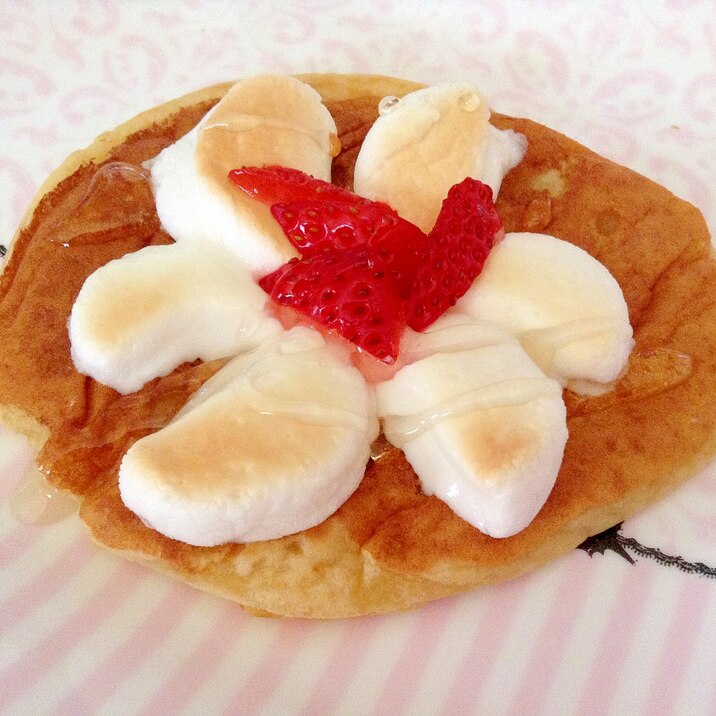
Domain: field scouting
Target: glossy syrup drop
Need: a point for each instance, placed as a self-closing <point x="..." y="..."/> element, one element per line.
<point x="469" y="101"/>
<point x="118" y="198"/>
<point x="648" y="373"/>
<point x="35" y="501"/>
<point x="379" y="448"/>
<point x="120" y="171"/>
<point x="388" y="105"/>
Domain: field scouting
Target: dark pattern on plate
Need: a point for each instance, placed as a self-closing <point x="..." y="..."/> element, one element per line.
<point x="612" y="539"/>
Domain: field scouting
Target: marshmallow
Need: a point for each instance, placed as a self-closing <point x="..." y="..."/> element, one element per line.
<point x="480" y="424"/>
<point x="564" y="306"/>
<point x="261" y="121"/>
<point x="273" y="444"/>
<point x="140" y="316"/>
<point x="423" y="144"/>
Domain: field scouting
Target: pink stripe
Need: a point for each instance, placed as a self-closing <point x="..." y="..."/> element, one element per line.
<point x="46" y="582"/>
<point x="350" y="651"/>
<point x="410" y="666"/>
<point x="23" y="675"/>
<point x="261" y="682"/>
<point x="689" y="612"/>
<point x="199" y="663"/>
<point x="487" y="637"/>
<point x="617" y="636"/>
<point x="554" y="635"/>
<point x="129" y="656"/>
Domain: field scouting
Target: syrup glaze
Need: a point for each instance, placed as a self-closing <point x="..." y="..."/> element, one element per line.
<point x="117" y="200"/>
<point x="36" y="501"/>
<point x="43" y="276"/>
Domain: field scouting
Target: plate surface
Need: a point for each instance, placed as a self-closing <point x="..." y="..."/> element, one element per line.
<point x="82" y="632"/>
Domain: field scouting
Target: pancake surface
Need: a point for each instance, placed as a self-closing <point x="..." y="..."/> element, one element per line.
<point x="389" y="546"/>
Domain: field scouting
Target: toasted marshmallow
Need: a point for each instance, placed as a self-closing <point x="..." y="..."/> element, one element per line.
<point x="273" y="444"/>
<point x="564" y="306"/>
<point x="481" y="425"/>
<point x="261" y="121"/>
<point x="140" y="316"/>
<point x="426" y="142"/>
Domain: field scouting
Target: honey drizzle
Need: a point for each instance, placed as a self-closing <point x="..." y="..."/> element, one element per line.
<point x="106" y="214"/>
<point x="379" y="448"/>
<point x="35" y="501"/>
<point x="648" y="373"/>
<point x="126" y="418"/>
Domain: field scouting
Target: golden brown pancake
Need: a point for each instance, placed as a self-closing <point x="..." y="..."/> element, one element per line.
<point x="389" y="547"/>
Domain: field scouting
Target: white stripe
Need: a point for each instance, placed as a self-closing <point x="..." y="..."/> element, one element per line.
<point x="443" y="666"/>
<point x="580" y="652"/>
<point x="137" y="690"/>
<point x="370" y="675"/>
<point x="50" y="616"/>
<point x="308" y="667"/>
<point x="44" y="546"/>
<point x="509" y="663"/>
<point x="255" y="636"/>
<point x="699" y="687"/>
<point x="55" y="609"/>
<point x="642" y="657"/>
<point x="89" y="654"/>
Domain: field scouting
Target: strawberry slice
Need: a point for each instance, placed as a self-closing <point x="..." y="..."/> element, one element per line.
<point x="318" y="226"/>
<point x="457" y="247"/>
<point x="349" y="291"/>
<point x="274" y="184"/>
<point x="365" y="272"/>
<point x="317" y="216"/>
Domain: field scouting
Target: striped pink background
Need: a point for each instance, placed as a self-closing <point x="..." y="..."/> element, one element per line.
<point x="84" y="633"/>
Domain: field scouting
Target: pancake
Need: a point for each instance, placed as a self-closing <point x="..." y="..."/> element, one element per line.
<point x="389" y="547"/>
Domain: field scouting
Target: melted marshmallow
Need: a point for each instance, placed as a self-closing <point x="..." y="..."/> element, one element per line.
<point x="426" y="142"/>
<point x="262" y="120"/>
<point x="273" y="444"/>
<point x="480" y="424"/>
<point x="139" y="317"/>
<point x="564" y="306"/>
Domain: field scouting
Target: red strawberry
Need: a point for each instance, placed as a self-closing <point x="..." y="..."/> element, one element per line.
<point x="457" y="248"/>
<point x="318" y="226"/>
<point x="316" y="215"/>
<point x="363" y="267"/>
<point x="273" y="184"/>
<point x="349" y="291"/>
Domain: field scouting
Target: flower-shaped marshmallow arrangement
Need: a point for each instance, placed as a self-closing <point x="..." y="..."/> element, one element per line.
<point x="402" y="304"/>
